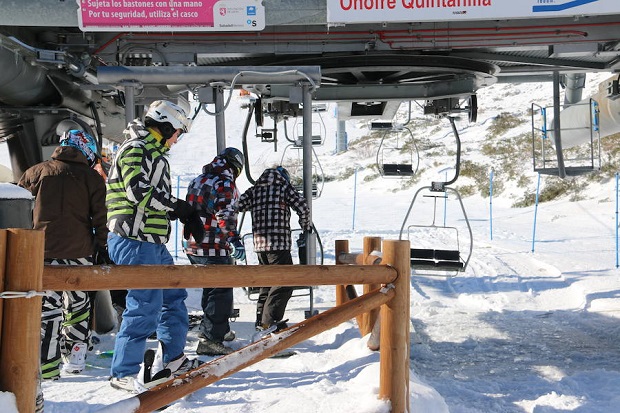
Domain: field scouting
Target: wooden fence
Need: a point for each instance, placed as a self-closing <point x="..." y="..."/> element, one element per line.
<point x="386" y="286"/>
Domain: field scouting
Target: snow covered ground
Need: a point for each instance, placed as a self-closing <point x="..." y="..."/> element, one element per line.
<point x="518" y="331"/>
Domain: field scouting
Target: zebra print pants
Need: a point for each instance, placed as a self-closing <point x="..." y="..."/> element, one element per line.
<point x="64" y="321"/>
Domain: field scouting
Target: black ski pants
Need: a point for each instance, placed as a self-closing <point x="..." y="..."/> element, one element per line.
<point x="272" y="301"/>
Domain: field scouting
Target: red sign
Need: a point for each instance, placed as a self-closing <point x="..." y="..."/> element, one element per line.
<point x="171" y="15"/>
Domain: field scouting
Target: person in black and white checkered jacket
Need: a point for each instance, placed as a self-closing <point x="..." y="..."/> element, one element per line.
<point x="270" y="201"/>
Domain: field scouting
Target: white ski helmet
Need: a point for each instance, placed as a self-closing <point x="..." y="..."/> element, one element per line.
<point x="163" y="111"/>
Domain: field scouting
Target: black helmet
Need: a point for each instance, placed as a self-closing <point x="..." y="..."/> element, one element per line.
<point x="282" y="171"/>
<point x="234" y="158"/>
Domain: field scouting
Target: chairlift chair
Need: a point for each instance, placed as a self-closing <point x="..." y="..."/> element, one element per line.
<point x="319" y="107"/>
<point x="439" y="256"/>
<point x="319" y="130"/>
<point x="318" y="176"/>
<point x="437" y="246"/>
<point x="317" y="139"/>
<point x="405" y="167"/>
<point x="579" y="160"/>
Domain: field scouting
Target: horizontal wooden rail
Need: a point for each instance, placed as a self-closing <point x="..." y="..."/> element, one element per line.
<point x="119" y="277"/>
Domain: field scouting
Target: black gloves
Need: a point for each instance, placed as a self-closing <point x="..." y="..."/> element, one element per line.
<point x="301" y="241"/>
<point x="301" y="248"/>
<point x="194" y="227"/>
<point x="182" y="211"/>
<point x="101" y="256"/>
<point x="190" y="217"/>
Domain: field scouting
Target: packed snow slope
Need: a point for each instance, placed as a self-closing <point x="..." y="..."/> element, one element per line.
<point x="530" y="326"/>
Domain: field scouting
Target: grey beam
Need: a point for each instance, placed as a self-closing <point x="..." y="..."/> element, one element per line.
<point x="390" y="92"/>
<point x="182" y="75"/>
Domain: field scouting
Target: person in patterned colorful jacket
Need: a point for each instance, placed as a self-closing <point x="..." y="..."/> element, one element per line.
<point x="214" y="192"/>
<point x="270" y="201"/>
<point x="140" y="207"/>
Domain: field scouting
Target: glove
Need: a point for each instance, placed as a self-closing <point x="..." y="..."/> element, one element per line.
<point x="182" y="211"/>
<point x="194" y="227"/>
<point x="301" y="241"/>
<point x="238" y="250"/>
<point x="101" y="256"/>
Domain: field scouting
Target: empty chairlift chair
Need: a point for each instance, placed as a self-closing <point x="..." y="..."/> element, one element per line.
<point x="437" y="248"/>
<point x="318" y="176"/>
<point x="580" y="136"/>
<point x="393" y="159"/>
<point x="437" y="245"/>
<point x="318" y="135"/>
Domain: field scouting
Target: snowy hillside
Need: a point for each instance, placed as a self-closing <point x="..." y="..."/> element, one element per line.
<point x="518" y="331"/>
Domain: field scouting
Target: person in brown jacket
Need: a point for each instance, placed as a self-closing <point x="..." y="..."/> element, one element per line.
<point x="70" y="208"/>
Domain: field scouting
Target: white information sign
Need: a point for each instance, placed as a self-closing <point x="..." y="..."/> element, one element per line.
<point x="369" y="11"/>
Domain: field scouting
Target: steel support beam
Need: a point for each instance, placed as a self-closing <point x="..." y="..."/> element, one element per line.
<point x="557" y="137"/>
<point x="220" y="121"/>
<point x="307" y="168"/>
<point x="205" y="75"/>
<point x="462" y="87"/>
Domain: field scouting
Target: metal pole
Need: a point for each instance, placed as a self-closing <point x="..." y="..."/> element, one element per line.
<point x="535" y="212"/>
<point x="341" y="137"/>
<point x="220" y="123"/>
<point x="491" y="205"/>
<point x="445" y="201"/>
<point x="556" y="125"/>
<point x="617" y="263"/>
<point x="176" y="224"/>
<point x="130" y="104"/>
<point x="354" y="197"/>
<point x="307" y="167"/>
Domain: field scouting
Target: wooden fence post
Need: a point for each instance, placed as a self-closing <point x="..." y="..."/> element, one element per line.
<point x="369" y="319"/>
<point x="3" y="246"/>
<point x="346" y="293"/>
<point x="395" y="322"/>
<point x="21" y="329"/>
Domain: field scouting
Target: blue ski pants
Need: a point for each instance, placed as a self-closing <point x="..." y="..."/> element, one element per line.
<point x="146" y="311"/>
